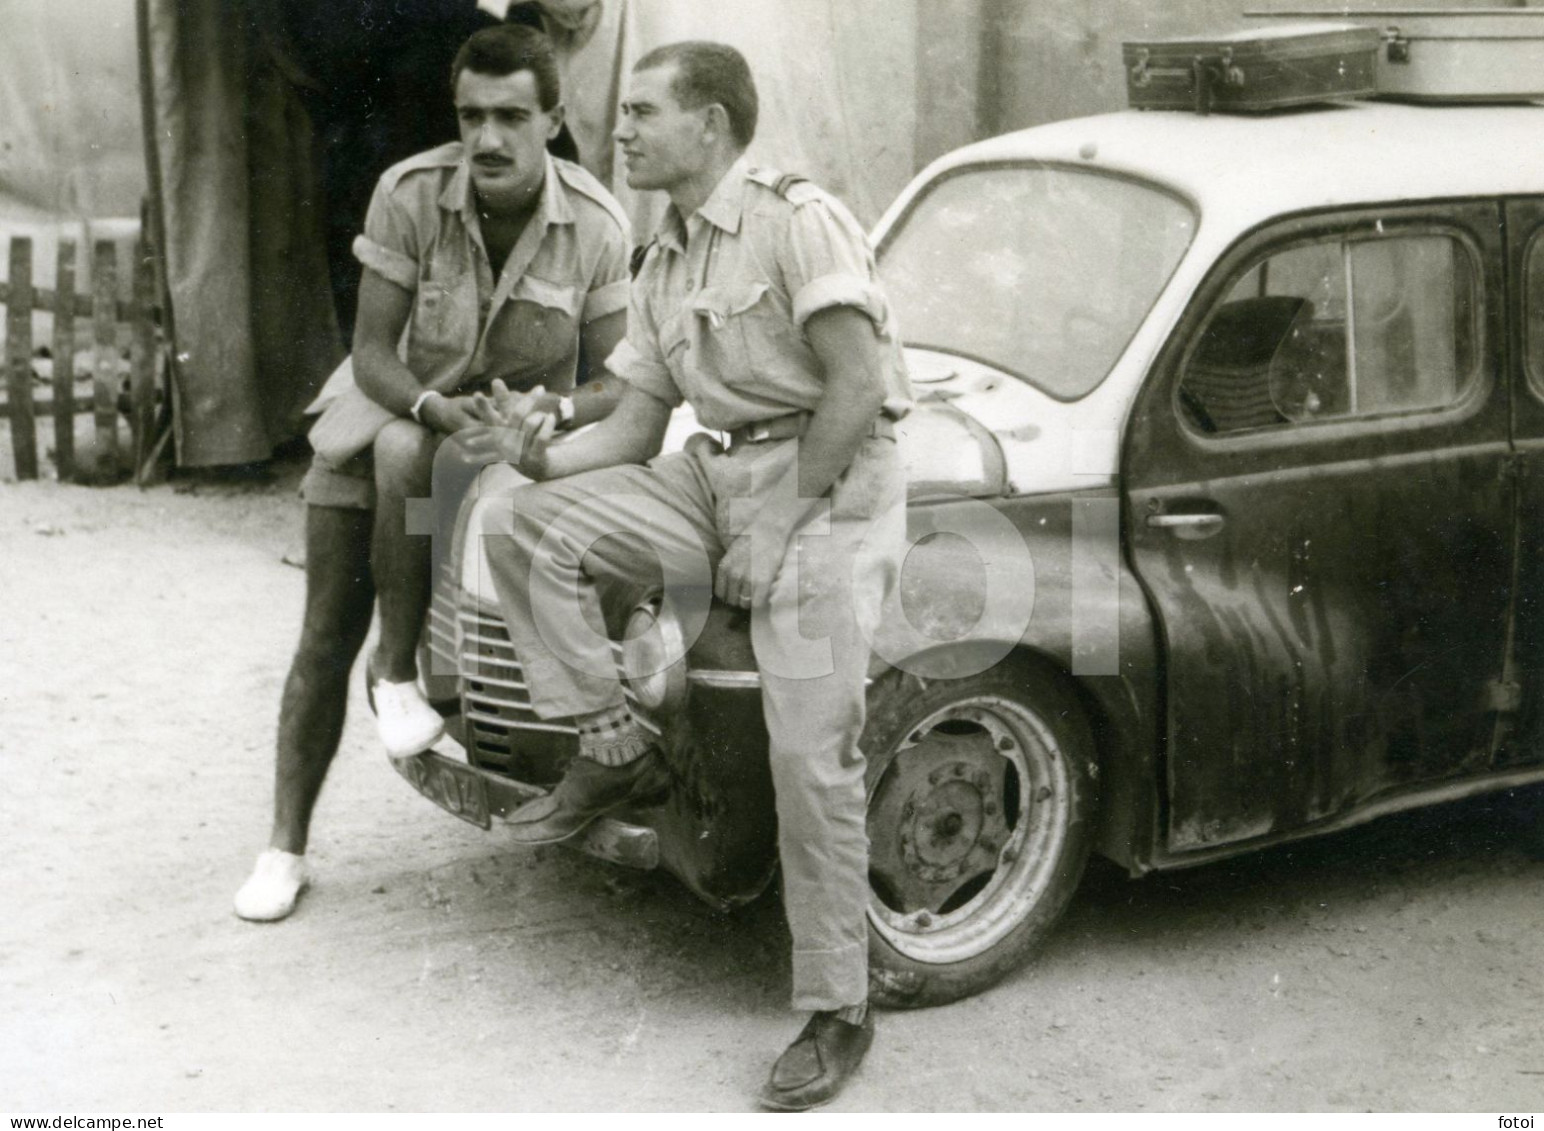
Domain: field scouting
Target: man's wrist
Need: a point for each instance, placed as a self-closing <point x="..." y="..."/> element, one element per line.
<point x="422" y="401"/>
<point x="533" y="465"/>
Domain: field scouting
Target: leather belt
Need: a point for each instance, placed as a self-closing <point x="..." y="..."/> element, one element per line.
<point x="792" y="425"/>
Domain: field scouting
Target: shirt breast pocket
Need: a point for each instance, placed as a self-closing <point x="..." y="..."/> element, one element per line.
<point x="539" y="327"/>
<point x="733" y="321"/>
<point x="552" y="296"/>
<point x="444" y="321"/>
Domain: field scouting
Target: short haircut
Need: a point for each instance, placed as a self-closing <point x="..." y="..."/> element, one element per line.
<point x="508" y="49"/>
<point x="707" y="73"/>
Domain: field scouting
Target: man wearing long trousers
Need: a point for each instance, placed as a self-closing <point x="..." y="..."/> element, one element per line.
<point x="757" y="303"/>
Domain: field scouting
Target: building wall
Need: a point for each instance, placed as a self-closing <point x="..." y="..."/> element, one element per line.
<point x="1054" y="59"/>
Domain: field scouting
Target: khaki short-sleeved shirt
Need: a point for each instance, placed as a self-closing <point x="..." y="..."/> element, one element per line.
<point x="569" y="267"/>
<point x="718" y="308"/>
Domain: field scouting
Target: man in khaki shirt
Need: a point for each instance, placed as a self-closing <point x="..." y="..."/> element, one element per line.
<point x="484" y="259"/>
<point x="757" y="303"/>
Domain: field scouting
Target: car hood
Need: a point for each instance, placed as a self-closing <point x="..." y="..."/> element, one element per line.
<point x="1042" y="445"/>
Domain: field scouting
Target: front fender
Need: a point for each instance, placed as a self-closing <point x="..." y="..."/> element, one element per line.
<point x="1075" y="609"/>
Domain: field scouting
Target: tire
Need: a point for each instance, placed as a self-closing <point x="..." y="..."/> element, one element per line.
<point x="981" y="798"/>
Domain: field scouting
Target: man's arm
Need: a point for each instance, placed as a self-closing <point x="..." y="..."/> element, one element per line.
<point x="849" y="350"/>
<point x="599" y="394"/>
<point x="518" y="432"/>
<point x="384" y="309"/>
<point x="633" y="433"/>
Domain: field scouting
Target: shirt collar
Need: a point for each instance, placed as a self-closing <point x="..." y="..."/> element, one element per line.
<point x="723" y="208"/>
<point x="553" y="208"/>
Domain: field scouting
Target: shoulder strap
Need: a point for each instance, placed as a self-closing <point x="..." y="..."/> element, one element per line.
<point x="781" y="183"/>
<point x="585" y="183"/>
<point x="446" y="156"/>
<point x="786" y="182"/>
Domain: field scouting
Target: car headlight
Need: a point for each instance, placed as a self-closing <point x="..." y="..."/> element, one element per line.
<point x="654" y="657"/>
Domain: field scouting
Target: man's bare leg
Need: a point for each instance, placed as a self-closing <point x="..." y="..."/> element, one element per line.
<point x="339" y="600"/>
<point x="403" y="568"/>
<point x="339" y="597"/>
<point x="404" y="464"/>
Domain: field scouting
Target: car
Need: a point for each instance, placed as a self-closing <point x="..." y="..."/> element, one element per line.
<point x="1226" y="528"/>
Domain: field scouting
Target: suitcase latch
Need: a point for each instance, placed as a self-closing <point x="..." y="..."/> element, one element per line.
<point x="1398" y="50"/>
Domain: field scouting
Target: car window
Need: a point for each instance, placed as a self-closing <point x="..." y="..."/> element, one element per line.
<point x="1533" y="307"/>
<point x="1335" y="329"/>
<point x="1040" y="271"/>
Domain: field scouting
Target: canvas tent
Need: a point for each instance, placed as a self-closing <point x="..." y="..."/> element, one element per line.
<point x="270" y="119"/>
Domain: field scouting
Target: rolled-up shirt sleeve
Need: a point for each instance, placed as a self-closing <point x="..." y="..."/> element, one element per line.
<point x="826" y="262"/>
<point x="638" y="360"/>
<point x="389" y="243"/>
<point x="608" y="291"/>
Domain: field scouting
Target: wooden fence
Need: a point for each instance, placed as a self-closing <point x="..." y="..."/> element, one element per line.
<point x="112" y="394"/>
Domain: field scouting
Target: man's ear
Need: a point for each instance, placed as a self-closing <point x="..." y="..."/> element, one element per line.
<point x="717" y="122"/>
<point x="555" y="121"/>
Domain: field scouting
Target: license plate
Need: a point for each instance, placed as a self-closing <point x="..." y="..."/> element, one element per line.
<point x="455" y="788"/>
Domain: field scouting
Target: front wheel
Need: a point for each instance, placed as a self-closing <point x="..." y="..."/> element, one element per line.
<point x="981" y="793"/>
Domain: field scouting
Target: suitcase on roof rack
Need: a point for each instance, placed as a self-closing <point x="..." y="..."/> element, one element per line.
<point x="1452" y="54"/>
<point x="1252" y="71"/>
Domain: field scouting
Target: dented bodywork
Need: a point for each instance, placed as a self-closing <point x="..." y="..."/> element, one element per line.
<point x="1280" y="611"/>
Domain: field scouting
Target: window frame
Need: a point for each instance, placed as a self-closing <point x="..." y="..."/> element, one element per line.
<point x="882" y="246"/>
<point x="1365" y="223"/>
<point x="1533" y="375"/>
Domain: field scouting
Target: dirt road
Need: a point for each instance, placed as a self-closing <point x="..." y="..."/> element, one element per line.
<point x="143" y="637"/>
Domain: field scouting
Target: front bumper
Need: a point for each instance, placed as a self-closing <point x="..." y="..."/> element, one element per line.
<point x="479" y="797"/>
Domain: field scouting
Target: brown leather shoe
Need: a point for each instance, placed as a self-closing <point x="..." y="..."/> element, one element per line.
<point x="813" y="1069"/>
<point x="587" y="791"/>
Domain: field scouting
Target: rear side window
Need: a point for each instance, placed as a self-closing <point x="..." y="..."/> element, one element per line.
<point x="1533" y="308"/>
<point x="1335" y="329"/>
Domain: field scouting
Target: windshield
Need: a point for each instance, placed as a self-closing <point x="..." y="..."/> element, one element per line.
<point x="1040" y="271"/>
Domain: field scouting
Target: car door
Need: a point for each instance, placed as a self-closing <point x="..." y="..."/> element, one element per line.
<point x="1523" y="743"/>
<point x="1318" y="507"/>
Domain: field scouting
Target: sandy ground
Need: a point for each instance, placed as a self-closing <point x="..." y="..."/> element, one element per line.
<point x="143" y="638"/>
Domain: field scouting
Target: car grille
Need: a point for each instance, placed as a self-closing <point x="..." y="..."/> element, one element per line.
<point x="440" y="639"/>
<point x="494" y="697"/>
<point x="495" y="702"/>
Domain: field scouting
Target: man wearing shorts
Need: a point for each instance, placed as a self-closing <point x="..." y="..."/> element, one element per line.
<point x="485" y="261"/>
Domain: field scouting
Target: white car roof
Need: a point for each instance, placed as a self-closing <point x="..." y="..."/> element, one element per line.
<point x="1252" y="167"/>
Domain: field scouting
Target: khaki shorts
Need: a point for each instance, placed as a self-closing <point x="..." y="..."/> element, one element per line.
<point x="350" y="485"/>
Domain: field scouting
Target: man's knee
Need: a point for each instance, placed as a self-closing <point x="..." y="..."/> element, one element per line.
<point x="524" y="514"/>
<point x="327" y="650"/>
<point x="404" y="458"/>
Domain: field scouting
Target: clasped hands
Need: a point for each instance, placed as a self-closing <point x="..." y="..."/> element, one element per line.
<point x="509" y="426"/>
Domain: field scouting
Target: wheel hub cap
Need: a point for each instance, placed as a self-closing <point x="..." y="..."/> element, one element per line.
<point x="946" y="795"/>
<point x="966" y="819"/>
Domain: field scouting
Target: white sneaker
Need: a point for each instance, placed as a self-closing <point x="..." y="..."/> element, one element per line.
<point x="274" y="886"/>
<point x="406" y="722"/>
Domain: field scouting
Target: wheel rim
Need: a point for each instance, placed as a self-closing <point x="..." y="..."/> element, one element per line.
<point x="966" y="822"/>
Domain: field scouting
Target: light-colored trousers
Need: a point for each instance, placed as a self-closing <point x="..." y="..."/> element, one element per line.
<point x="556" y="545"/>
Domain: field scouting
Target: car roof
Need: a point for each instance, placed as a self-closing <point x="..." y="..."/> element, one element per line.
<point x="1257" y="166"/>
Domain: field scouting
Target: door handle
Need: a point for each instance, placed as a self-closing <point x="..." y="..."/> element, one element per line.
<point x="1206" y="519"/>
